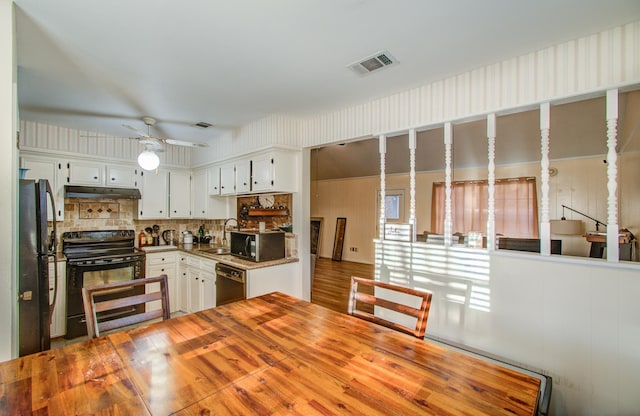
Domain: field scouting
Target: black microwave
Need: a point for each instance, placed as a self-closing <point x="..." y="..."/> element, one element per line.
<point x="258" y="246"/>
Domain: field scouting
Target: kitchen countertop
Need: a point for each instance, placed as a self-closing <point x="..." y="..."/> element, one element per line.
<point x="197" y="249"/>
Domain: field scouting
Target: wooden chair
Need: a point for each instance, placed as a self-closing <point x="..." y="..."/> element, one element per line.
<point x="421" y="314"/>
<point x="93" y="306"/>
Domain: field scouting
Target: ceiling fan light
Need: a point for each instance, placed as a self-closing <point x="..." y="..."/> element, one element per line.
<point x="148" y="160"/>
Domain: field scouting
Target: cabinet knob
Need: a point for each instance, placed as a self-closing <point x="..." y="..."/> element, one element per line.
<point x="162" y="269"/>
<point x="113" y="179"/>
<point x="174" y="211"/>
<point x="196" y="278"/>
<point x="255" y="182"/>
<point x="95" y="177"/>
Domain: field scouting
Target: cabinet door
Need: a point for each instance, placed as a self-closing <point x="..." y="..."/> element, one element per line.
<point x="86" y="173"/>
<point x="200" y="195"/>
<point x="208" y="285"/>
<point x="213" y="180"/>
<point x="53" y="171"/>
<point x="155" y="267"/>
<point x="227" y="179"/>
<point x="183" y="283"/>
<point x="122" y="176"/>
<point x="58" y="320"/>
<point x="243" y="176"/>
<point x="180" y="194"/>
<point x="155" y="190"/>
<point x="261" y="173"/>
<point x="195" y="290"/>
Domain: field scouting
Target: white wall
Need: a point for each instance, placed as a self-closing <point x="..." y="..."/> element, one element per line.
<point x="61" y="140"/>
<point x="8" y="183"/>
<point x="577" y="320"/>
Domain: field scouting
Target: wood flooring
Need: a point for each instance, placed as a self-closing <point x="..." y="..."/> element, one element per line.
<point x="332" y="280"/>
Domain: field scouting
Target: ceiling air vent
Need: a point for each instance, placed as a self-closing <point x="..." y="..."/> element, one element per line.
<point x="375" y="62"/>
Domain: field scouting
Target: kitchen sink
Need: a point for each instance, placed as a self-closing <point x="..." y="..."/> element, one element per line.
<point x="216" y="250"/>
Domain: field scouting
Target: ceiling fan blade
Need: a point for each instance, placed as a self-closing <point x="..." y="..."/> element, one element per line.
<point x="185" y="143"/>
<point x="140" y="132"/>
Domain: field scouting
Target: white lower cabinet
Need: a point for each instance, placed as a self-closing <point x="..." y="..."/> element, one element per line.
<point x="183" y="281"/>
<point x="58" y="320"/>
<point x="208" y="283"/>
<point x="197" y="283"/>
<point x="163" y="263"/>
<point x="281" y="278"/>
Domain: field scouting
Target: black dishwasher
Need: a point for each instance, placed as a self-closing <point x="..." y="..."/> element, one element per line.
<point x="230" y="284"/>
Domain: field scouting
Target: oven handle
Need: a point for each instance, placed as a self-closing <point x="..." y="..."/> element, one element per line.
<point x="119" y="263"/>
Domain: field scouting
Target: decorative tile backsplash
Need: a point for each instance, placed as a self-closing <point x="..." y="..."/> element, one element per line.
<point x="119" y="214"/>
<point x="99" y="210"/>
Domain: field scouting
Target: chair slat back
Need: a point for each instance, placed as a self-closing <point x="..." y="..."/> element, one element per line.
<point x="421" y="313"/>
<point x="93" y="306"/>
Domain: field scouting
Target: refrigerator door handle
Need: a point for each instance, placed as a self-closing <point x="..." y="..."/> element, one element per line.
<point x="53" y="249"/>
<point x="53" y="244"/>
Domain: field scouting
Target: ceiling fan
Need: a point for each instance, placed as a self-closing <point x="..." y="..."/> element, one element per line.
<point x="148" y="159"/>
<point x="157" y="143"/>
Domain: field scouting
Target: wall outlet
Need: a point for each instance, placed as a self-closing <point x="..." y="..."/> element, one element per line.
<point x="354" y="249"/>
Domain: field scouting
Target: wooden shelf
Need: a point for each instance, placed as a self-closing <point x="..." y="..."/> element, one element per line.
<point x="264" y="212"/>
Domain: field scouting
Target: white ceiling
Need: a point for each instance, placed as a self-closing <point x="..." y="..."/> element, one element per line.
<point x="94" y="65"/>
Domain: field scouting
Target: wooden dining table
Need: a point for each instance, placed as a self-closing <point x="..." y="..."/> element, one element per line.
<point x="273" y="354"/>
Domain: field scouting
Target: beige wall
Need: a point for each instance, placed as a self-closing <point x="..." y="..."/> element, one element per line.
<point x="580" y="184"/>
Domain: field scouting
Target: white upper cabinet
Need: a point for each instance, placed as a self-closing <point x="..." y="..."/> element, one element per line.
<point x="274" y="172"/>
<point x="86" y="173"/>
<point x="53" y="171"/>
<point x="200" y="195"/>
<point x="101" y="174"/>
<point x="180" y="194"/>
<point x="155" y="192"/>
<point x="122" y="176"/>
<point x="270" y="171"/>
<point x="243" y="176"/>
<point x="213" y="180"/>
<point x="228" y="179"/>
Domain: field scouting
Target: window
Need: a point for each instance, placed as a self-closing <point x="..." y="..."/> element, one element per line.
<point x="516" y="207"/>
<point x="394" y="205"/>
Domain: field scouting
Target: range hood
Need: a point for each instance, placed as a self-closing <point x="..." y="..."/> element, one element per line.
<point x="101" y="192"/>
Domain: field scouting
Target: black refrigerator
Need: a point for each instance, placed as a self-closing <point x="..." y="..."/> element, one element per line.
<point x="36" y="247"/>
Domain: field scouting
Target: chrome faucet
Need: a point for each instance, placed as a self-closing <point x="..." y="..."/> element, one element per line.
<point x="224" y="230"/>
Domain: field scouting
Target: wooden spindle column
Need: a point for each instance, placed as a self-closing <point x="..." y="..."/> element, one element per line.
<point x="491" y="209"/>
<point x="545" y="225"/>
<point x="412" y="181"/>
<point x="383" y="150"/>
<point x="448" y="140"/>
<point x="613" y="249"/>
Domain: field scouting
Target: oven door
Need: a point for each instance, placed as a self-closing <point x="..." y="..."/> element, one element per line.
<point x="81" y="273"/>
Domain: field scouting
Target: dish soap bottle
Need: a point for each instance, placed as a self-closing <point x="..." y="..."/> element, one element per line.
<point x="201" y="233"/>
